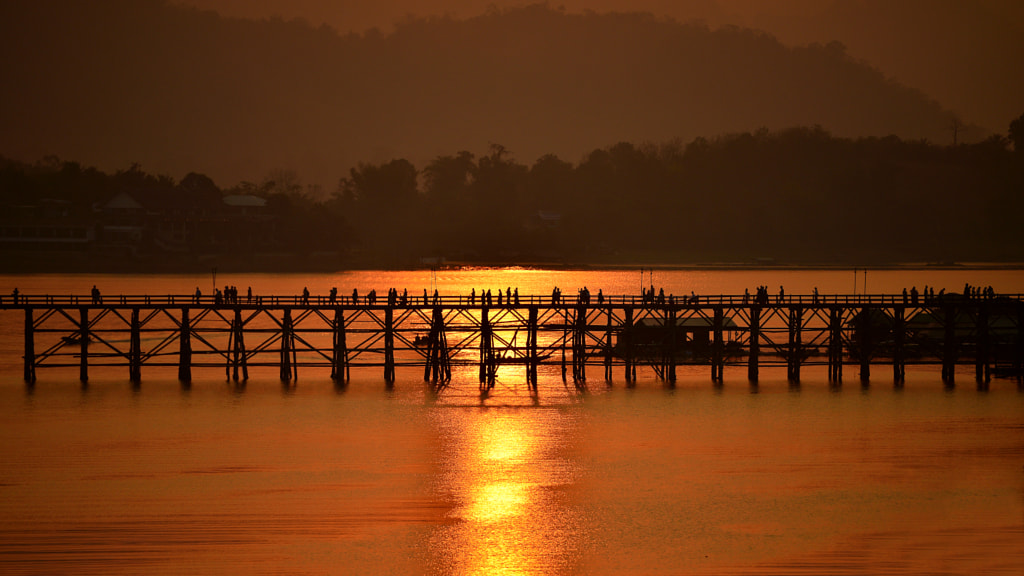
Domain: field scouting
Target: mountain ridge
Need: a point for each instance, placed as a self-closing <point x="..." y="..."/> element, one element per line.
<point x="180" y="90"/>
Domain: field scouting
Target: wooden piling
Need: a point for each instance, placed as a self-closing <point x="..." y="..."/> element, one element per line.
<point x="608" y="352"/>
<point x="437" y="369"/>
<point x="488" y="367"/>
<point x="1018" y="357"/>
<point x="135" y="350"/>
<point x="754" y="344"/>
<point x="949" y="346"/>
<point x="866" y="341"/>
<point x="238" y="352"/>
<point x="83" y="343"/>
<point x="389" y="345"/>
<point x="287" y="344"/>
<point x="30" y="347"/>
<point x="795" y="343"/>
<point x="899" y="367"/>
<point x="717" y="356"/>
<point x="339" y="356"/>
<point x="626" y="344"/>
<point x="185" y="348"/>
<point x="982" y="372"/>
<point x="579" y="350"/>
<point x="835" y="345"/>
<point x="672" y="345"/>
<point x="531" y="346"/>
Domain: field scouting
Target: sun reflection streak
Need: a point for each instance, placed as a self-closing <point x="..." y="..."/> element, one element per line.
<point x="502" y="471"/>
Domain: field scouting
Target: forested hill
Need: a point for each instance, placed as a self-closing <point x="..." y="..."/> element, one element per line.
<point x="115" y="82"/>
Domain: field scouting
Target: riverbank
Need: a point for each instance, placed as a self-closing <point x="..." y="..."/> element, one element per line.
<point x="327" y="262"/>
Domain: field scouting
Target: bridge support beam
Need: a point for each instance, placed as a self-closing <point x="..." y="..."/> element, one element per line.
<point x="754" y="344"/>
<point x="796" y="316"/>
<point x="899" y="362"/>
<point x="237" y="352"/>
<point x="339" y="357"/>
<point x="866" y="342"/>
<point x="835" y="345"/>
<point x="608" y="353"/>
<point x="579" y="347"/>
<point x="135" y="350"/>
<point x="437" y="369"/>
<point x="185" y="348"/>
<point x="531" y="348"/>
<point x="626" y="344"/>
<point x="982" y="372"/>
<point x="30" y="347"/>
<point x="949" y="346"/>
<point x="83" y="337"/>
<point x="717" y="356"/>
<point x="488" y="366"/>
<point x="389" y="346"/>
<point x="670" y="347"/>
<point x="287" y="347"/>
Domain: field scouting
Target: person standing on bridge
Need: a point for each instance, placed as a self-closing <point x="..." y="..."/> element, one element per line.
<point x="14" y="294"/>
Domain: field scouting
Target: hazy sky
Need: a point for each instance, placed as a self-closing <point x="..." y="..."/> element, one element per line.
<point x="965" y="53"/>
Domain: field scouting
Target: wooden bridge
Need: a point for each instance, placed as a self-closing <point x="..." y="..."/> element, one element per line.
<point x="620" y="334"/>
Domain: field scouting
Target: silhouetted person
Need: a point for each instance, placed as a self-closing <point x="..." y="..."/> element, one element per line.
<point x="355" y="296"/>
<point x="248" y="295"/>
<point x="96" y="298"/>
<point x="14" y="294"/>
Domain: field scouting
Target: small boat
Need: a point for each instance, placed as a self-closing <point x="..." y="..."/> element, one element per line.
<point x="520" y="359"/>
<point x="420" y="340"/>
<point x="74" y="340"/>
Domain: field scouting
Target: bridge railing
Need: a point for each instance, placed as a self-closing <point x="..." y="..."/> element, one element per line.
<point x="464" y="300"/>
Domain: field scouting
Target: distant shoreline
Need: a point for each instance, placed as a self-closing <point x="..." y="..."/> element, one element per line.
<point x="285" y="263"/>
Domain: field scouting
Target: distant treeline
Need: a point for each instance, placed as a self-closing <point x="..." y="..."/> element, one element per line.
<point x="795" y="196"/>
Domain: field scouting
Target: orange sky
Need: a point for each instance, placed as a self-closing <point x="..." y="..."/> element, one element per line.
<point x="967" y="54"/>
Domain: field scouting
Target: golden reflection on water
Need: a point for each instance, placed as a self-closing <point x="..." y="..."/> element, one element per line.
<point x="504" y="473"/>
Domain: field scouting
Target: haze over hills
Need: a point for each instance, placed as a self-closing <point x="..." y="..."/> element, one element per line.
<point x="178" y="90"/>
<point x="965" y="53"/>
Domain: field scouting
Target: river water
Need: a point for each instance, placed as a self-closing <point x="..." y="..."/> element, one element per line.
<point x="310" y="478"/>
